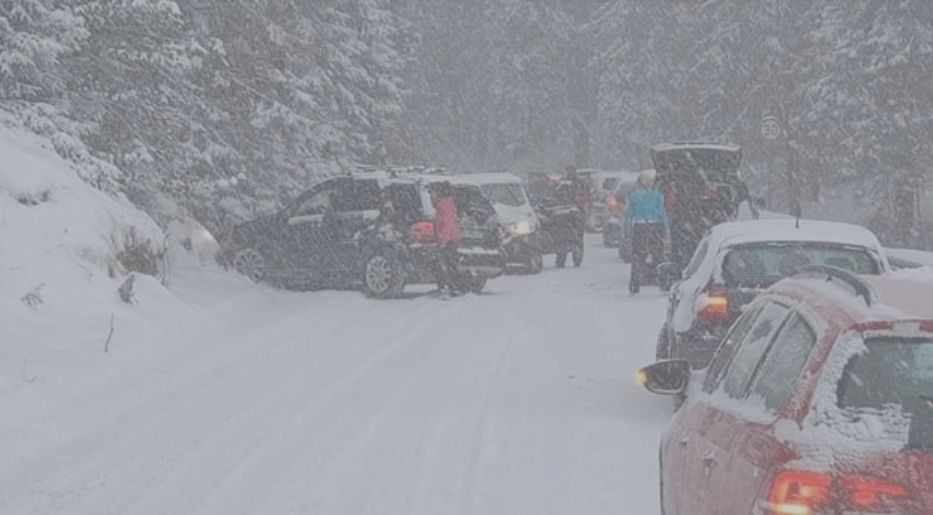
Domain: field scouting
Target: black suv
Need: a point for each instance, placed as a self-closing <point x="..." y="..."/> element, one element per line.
<point x="372" y="230"/>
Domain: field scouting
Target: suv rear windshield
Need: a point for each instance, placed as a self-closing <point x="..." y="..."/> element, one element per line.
<point x="893" y="373"/>
<point x="759" y="265"/>
<point x="505" y="194"/>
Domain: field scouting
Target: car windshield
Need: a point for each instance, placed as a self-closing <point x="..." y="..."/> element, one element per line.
<point x="759" y="265"/>
<point x="505" y="194"/>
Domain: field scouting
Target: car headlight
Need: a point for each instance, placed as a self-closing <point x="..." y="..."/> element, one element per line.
<point x="521" y="228"/>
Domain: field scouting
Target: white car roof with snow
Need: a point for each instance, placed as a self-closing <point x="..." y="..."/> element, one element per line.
<point x="787" y="230"/>
<point x="486" y="178"/>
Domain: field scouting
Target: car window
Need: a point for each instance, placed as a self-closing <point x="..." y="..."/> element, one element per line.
<point x="317" y="203"/>
<point x="891" y="371"/>
<point x="781" y="368"/>
<point x="697" y="259"/>
<point x="357" y="195"/>
<point x="763" y="264"/>
<point x="727" y="348"/>
<point x="511" y="195"/>
<point x="752" y="349"/>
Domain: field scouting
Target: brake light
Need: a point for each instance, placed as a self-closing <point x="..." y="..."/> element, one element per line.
<point x="714" y="305"/>
<point x="869" y="492"/>
<point x="423" y="232"/>
<point x="800" y="492"/>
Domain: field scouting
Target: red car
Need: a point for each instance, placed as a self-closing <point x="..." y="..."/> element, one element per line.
<point x="819" y="400"/>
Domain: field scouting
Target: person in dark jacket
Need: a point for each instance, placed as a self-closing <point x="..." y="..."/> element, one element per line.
<point x="449" y="235"/>
<point x="647" y="221"/>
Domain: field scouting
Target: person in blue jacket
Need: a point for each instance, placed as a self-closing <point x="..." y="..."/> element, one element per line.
<point x="647" y="223"/>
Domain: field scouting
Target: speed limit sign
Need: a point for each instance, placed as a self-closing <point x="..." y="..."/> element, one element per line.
<point x="770" y="128"/>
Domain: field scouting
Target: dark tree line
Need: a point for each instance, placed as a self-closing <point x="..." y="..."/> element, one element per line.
<point x="221" y="106"/>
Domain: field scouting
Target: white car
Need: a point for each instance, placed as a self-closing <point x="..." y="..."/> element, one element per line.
<point x="508" y="196"/>
<point x="738" y="260"/>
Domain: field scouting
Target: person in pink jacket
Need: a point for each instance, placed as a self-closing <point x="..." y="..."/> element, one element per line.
<point x="449" y="234"/>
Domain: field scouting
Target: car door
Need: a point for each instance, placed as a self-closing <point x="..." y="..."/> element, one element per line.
<point x="720" y="425"/>
<point x="676" y="496"/>
<point x="356" y="205"/>
<point x="307" y="247"/>
<point x="757" y="450"/>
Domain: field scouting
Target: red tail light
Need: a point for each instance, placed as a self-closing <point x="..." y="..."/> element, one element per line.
<point x="713" y="305"/>
<point x="423" y="232"/>
<point x="863" y="492"/>
<point x="797" y="492"/>
<point x="800" y="492"/>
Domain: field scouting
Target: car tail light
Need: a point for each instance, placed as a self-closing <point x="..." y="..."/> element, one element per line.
<point x="801" y="492"/>
<point x="797" y="492"/>
<point x="713" y="305"/>
<point x="423" y="232"/>
<point x="864" y="492"/>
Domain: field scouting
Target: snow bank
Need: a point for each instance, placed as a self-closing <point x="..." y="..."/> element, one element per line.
<point x="59" y="233"/>
<point x="61" y="264"/>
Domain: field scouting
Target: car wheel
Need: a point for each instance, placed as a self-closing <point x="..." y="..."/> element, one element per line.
<point x="476" y="284"/>
<point x="561" y="260"/>
<point x="535" y="262"/>
<point x="663" y="350"/>
<point x="578" y="256"/>
<point x="250" y="263"/>
<point x="383" y="277"/>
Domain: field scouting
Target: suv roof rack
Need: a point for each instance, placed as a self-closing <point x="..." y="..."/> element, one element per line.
<point x="862" y="288"/>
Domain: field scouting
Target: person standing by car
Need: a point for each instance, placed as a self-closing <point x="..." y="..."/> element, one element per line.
<point x="581" y="190"/>
<point x="449" y="234"/>
<point x="647" y="222"/>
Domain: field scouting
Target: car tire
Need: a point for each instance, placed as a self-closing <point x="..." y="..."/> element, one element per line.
<point x="561" y="260"/>
<point x="578" y="256"/>
<point x="251" y="263"/>
<point x="476" y="284"/>
<point x="535" y="263"/>
<point x="383" y="275"/>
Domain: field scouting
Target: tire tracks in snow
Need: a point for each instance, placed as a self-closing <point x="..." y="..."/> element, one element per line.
<point x="101" y="453"/>
<point x="291" y="444"/>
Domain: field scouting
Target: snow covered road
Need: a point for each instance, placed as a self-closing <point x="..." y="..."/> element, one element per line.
<point x="518" y="401"/>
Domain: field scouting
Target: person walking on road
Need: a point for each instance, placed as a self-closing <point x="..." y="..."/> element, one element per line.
<point x="449" y="235"/>
<point x="647" y="222"/>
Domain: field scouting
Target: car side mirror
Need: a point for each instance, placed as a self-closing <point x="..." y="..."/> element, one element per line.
<point x="668" y="377"/>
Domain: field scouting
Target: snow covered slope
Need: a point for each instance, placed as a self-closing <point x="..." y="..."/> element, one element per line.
<point x="59" y="272"/>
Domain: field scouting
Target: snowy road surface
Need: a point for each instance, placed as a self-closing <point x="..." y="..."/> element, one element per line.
<point x="519" y="401"/>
